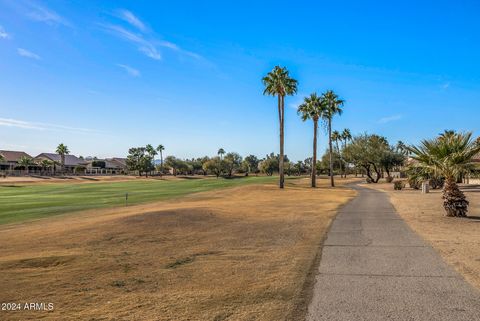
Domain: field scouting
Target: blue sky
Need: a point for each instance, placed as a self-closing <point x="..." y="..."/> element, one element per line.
<point x="103" y="76"/>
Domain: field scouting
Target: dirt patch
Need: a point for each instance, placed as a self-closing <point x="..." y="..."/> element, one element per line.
<point x="238" y="254"/>
<point x="456" y="239"/>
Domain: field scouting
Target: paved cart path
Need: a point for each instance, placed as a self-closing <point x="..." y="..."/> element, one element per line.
<point x="374" y="267"/>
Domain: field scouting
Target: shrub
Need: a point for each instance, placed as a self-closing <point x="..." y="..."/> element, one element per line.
<point x="437" y="182"/>
<point x="389" y="179"/>
<point x="398" y="185"/>
<point x="414" y="183"/>
<point x="369" y="180"/>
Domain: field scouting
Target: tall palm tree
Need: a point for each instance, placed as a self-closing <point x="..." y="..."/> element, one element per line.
<point x="346" y="137"/>
<point x="336" y="137"/>
<point x="25" y="162"/>
<point x="333" y="106"/>
<point x="151" y="152"/>
<point x="62" y="150"/>
<point x="312" y="108"/>
<point x="449" y="156"/>
<point x="221" y="152"/>
<point x="279" y="83"/>
<point x="160" y="150"/>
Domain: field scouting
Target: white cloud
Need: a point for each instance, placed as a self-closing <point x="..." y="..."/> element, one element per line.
<point x="3" y="33"/>
<point x="389" y="119"/>
<point x="144" y="45"/>
<point x="8" y="122"/>
<point x="129" y="17"/>
<point x="130" y="70"/>
<point x="42" y="14"/>
<point x="446" y="85"/>
<point x="28" y="54"/>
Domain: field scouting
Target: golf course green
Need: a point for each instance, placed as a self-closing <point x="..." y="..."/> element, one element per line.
<point x="20" y="203"/>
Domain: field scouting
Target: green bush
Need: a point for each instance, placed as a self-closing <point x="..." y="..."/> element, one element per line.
<point x="369" y="180"/>
<point x="389" y="179"/>
<point x="398" y="185"/>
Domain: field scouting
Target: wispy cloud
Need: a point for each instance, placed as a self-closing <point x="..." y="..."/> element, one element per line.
<point x="446" y="85"/>
<point x="130" y="70"/>
<point x="145" y="39"/>
<point x="8" y="122"/>
<point x="129" y="17"/>
<point x="143" y="45"/>
<point x="3" y="33"/>
<point x="389" y="119"/>
<point x="42" y="14"/>
<point x="28" y="54"/>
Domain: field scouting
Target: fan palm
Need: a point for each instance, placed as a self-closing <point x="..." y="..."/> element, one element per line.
<point x="346" y="136"/>
<point x="449" y="156"/>
<point x="62" y="150"/>
<point x="279" y="83"/>
<point x="25" y="162"/>
<point x="160" y="149"/>
<point x="221" y="152"/>
<point x="333" y="106"/>
<point x="45" y="163"/>
<point x="312" y="108"/>
<point x="336" y="137"/>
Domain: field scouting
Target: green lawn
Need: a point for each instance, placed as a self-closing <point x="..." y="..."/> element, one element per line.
<point x="26" y="202"/>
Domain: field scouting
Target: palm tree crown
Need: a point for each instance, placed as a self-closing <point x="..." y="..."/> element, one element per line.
<point x="62" y="150"/>
<point x="333" y="104"/>
<point x="346" y="135"/>
<point x="279" y="83"/>
<point x="449" y="155"/>
<point x="311" y="108"/>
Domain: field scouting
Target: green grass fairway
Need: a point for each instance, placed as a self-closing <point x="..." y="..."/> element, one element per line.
<point x="26" y="202"/>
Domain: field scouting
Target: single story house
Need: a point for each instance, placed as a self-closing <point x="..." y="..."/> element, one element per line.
<point x="11" y="159"/>
<point x="72" y="162"/>
<point x="109" y="166"/>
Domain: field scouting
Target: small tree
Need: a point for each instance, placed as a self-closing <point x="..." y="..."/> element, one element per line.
<point x="216" y="166"/>
<point x="250" y="164"/>
<point x="233" y="162"/>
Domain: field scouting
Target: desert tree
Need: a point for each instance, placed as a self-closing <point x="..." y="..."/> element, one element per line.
<point x="279" y="83"/>
<point x="333" y="105"/>
<point x="312" y="108"/>
<point x="451" y="156"/>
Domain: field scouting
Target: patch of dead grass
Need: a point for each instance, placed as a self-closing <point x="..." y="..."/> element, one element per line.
<point x="236" y="254"/>
<point x="456" y="239"/>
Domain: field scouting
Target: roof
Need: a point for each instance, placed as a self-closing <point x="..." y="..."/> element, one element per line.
<point x="70" y="160"/>
<point x="13" y="156"/>
<point x="120" y="162"/>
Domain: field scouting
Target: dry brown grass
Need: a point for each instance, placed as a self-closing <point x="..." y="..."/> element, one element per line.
<point x="237" y="254"/>
<point x="456" y="239"/>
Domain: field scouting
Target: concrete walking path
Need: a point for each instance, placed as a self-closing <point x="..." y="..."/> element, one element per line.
<point x="374" y="267"/>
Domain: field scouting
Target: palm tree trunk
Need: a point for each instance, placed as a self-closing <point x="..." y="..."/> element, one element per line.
<point x="161" y="164"/>
<point x="454" y="200"/>
<point x="332" y="183"/>
<point x="281" y="118"/>
<point x="314" y="160"/>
